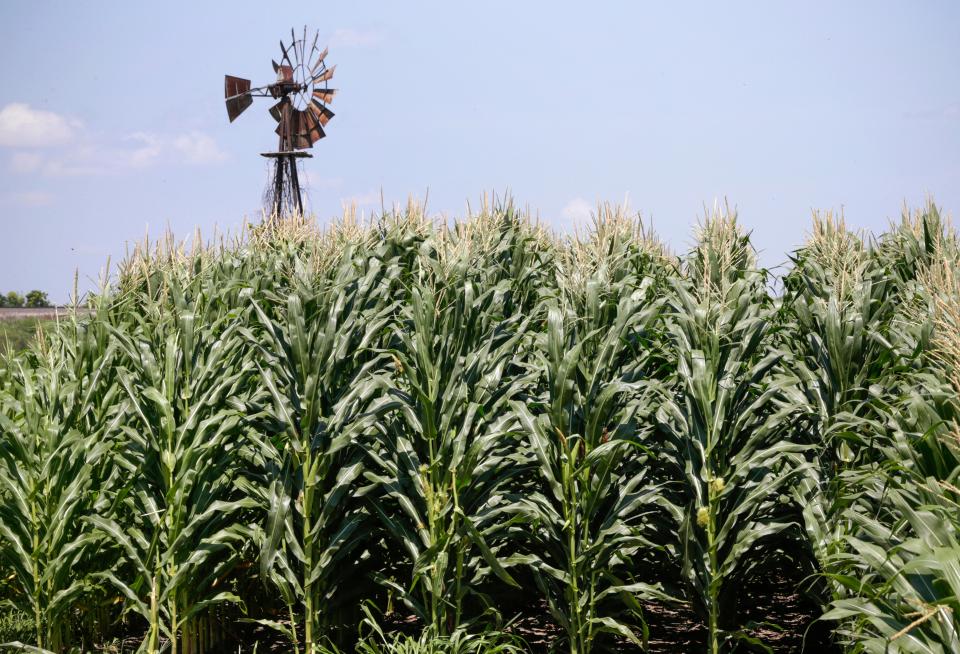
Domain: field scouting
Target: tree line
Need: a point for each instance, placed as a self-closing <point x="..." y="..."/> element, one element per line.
<point x="34" y="299"/>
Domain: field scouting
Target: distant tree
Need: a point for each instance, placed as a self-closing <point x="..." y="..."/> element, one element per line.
<point x="3" y="300"/>
<point x="14" y="299"/>
<point x="37" y="299"/>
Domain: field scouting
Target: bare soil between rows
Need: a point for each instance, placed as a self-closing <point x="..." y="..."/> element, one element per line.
<point x="782" y="618"/>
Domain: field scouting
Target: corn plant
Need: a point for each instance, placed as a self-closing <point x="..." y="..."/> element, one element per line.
<point x="861" y="331"/>
<point x="437" y="413"/>
<point x="58" y="414"/>
<point x="899" y="569"/>
<point x="179" y="520"/>
<point x="315" y="342"/>
<point x="450" y="451"/>
<point x="592" y="507"/>
<point x="727" y="421"/>
<point x="905" y="595"/>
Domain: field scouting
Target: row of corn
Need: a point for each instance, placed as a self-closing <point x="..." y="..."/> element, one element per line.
<point x="310" y="431"/>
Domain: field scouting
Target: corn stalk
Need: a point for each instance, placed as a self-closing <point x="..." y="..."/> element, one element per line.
<point x="316" y="347"/>
<point x="179" y="520"/>
<point x="450" y="450"/>
<point x="727" y="423"/>
<point x="59" y="411"/>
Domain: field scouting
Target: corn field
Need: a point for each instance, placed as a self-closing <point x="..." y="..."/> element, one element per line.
<point x="399" y="435"/>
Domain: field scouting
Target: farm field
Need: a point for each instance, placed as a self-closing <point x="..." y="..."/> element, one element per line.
<point x="17" y="333"/>
<point x="402" y="436"/>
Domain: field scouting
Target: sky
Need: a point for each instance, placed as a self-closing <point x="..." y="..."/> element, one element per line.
<point x="113" y="126"/>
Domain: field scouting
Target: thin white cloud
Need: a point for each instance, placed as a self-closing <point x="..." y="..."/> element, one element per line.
<point x="148" y="151"/>
<point x="351" y="38"/>
<point x="193" y="147"/>
<point x="29" y="199"/>
<point x="81" y="161"/>
<point x="137" y="150"/>
<point x="198" y="148"/>
<point x="577" y="211"/>
<point x="22" y="126"/>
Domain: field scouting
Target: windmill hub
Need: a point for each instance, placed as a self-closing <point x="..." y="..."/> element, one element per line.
<point x="303" y="94"/>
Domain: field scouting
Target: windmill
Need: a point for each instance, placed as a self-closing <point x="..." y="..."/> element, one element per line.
<point x="302" y="92"/>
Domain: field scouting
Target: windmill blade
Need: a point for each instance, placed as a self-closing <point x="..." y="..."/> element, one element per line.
<point x="277" y="110"/>
<point x="301" y="127"/>
<point x="276" y="66"/>
<point x="300" y="142"/>
<point x="314" y="132"/>
<point x="325" y="75"/>
<point x="323" y="55"/>
<point x="237" y="93"/>
<point x="321" y="112"/>
<point x="324" y="95"/>
<point x="286" y="127"/>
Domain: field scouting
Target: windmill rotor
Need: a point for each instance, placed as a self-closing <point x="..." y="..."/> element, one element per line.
<point x="301" y="111"/>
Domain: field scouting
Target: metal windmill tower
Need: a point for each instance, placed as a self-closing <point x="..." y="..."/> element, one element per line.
<point x="302" y="92"/>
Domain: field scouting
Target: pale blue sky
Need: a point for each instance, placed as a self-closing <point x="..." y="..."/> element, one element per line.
<point x="112" y="116"/>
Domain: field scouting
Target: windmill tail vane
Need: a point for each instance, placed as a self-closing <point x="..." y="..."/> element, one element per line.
<point x="303" y="95"/>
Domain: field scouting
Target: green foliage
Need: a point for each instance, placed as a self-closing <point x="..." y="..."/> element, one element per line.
<point x="451" y="421"/>
<point x="15" y="626"/>
<point x="17" y="334"/>
<point x="57" y="416"/>
<point x="725" y="426"/>
<point x="176" y="520"/>
<point x="593" y="508"/>
<point x="449" y="451"/>
<point x="36" y="299"/>
<point x="315" y="335"/>
<point x="13" y="300"/>
<point x="874" y="326"/>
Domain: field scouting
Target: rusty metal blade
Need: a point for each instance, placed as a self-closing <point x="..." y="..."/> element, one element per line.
<point x="313" y="130"/>
<point x="235" y="86"/>
<point x="325" y="75"/>
<point x="322" y="113"/>
<point x="237" y="106"/>
<point x="324" y="95"/>
<point x="237" y="93"/>
<point x="277" y="110"/>
<point x="306" y="140"/>
<point x="316" y="133"/>
<point x="299" y="129"/>
<point x="298" y="122"/>
<point x="323" y="55"/>
<point x="285" y="127"/>
<point x="300" y="142"/>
